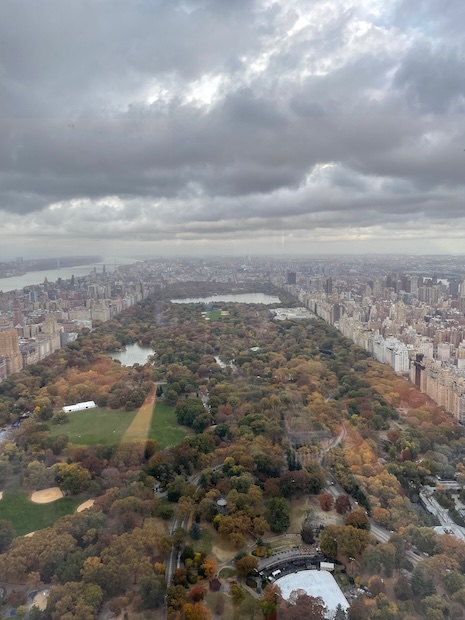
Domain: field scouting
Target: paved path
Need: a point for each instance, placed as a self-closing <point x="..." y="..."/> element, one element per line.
<point x="380" y="533"/>
<point x="177" y="523"/>
<point x="140" y="426"/>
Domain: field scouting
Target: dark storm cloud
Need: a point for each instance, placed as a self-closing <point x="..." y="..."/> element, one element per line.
<point x="66" y="51"/>
<point x="200" y="118"/>
<point x="430" y="77"/>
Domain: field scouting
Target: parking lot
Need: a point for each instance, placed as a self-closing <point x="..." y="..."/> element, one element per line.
<point x="288" y="562"/>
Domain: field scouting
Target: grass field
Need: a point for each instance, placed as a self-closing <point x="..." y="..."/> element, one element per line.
<point x="27" y="517"/>
<point x="95" y="426"/>
<point x="164" y="428"/>
<point x="109" y="426"/>
<point x="214" y="315"/>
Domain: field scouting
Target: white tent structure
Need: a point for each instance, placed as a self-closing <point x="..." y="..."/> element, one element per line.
<point x="79" y="406"/>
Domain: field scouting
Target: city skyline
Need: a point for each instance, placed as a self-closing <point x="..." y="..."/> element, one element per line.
<point x="206" y="127"/>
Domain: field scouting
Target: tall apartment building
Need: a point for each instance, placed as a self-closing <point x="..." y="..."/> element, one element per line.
<point x="291" y="277"/>
<point x="9" y="349"/>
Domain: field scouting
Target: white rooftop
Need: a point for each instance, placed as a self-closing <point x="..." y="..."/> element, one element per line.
<point x="315" y="583"/>
<point x="281" y="314"/>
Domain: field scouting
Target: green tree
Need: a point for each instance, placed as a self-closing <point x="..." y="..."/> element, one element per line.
<point x="195" y="532"/>
<point x="73" y="478"/>
<point x="340" y="613"/>
<point x="307" y="534"/>
<point x="454" y="581"/>
<point x="152" y="591"/>
<point x="422" y="584"/>
<point x="403" y="589"/>
<point x="246" y="566"/>
<point x="37" y="476"/>
<point x="7" y="533"/>
<point x="278" y="514"/>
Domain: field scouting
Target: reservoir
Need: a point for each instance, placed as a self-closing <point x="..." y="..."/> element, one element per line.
<point x="242" y="298"/>
<point x="132" y="354"/>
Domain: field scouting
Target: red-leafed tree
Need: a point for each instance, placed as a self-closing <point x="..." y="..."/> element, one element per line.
<point x="342" y="504"/>
<point x="301" y="606"/>
<point x="326" y="501"/>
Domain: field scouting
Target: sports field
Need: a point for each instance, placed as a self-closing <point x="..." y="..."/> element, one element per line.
<point x="27" y="517"/>
<point x="164" y="428"/>
<point x="108" y="426"/>
<point x="95" y="426"/>
<point x="214" y="315"/>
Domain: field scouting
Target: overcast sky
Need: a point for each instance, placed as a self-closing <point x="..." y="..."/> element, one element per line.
<point x="231" y="126"/>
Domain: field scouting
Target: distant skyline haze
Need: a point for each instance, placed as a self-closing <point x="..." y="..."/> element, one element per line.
<point x="176" y="127"/>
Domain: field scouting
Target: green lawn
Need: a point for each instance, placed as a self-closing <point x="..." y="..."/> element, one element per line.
<point x="164" y="428"/>
<point x="108" y="426"/>
<point x="95" y="426"/>
<point x="214" y="314"/>
<point x="27" y="517"/>
<point x="205" y="544"/>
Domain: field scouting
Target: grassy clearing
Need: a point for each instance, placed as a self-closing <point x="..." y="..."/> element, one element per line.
<point x="246" y="610"/>
<point x="300" y="508"/>
<point x="28" y="517"/>
<point x="204" y="545"/>
<point x="164" y="428"/>
<point x="226" y="573"/>
<point x="95" y="426"/>
<point x="110" y="426"/>
<point x="212" y="600"/>
<point x="213" y="315"/>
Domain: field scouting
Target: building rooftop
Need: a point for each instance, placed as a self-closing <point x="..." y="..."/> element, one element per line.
<point x="316" y="583"/>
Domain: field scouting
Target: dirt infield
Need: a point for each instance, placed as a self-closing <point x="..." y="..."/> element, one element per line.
<point x="46" y="495"/>
<point x="140" y="426"/>
<point x="85" y="505"/>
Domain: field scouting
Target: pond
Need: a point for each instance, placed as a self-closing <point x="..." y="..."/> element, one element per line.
<point x="242" y="298"/>
<point x="132" y="354"/>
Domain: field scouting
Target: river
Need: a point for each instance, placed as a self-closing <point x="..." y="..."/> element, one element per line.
<point x="37" y="277"/>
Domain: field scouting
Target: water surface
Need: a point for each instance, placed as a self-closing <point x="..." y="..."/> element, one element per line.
<point x="241" y="298"/>
<point x="132" y="354"/>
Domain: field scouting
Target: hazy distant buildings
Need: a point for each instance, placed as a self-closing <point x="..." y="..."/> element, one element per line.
<point x="412" y="324"/>
<point x="291" y="277"/>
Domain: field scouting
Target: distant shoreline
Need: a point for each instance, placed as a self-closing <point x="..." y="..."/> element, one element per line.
<point x="52" y="264"/>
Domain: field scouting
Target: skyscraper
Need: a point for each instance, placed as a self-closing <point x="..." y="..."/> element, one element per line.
<point x="291" y="277"/>
<point x="18" y="316"/>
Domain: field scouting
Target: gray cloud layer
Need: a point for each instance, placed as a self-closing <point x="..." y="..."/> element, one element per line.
<point x="194" y="122"/>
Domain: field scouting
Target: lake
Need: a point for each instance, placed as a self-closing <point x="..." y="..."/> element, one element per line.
<point x="242" y="298"/>
<point x="132" y="354"/>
